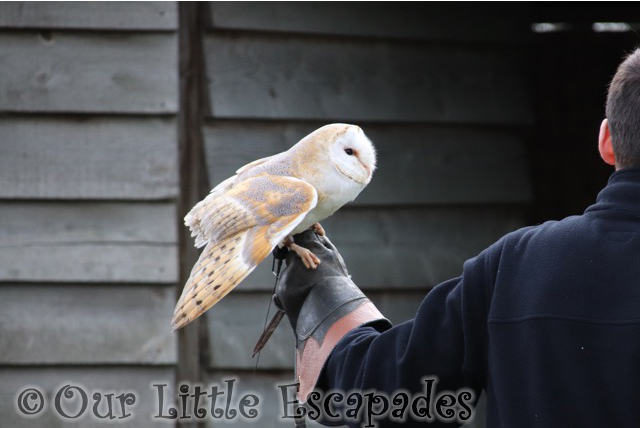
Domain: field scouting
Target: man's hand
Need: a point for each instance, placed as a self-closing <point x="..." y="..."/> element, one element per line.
<point x="296" y="281"/>
<point x="322" y="305"/>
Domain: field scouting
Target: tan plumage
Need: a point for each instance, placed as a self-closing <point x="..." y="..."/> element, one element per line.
<point x="247" y="215"/>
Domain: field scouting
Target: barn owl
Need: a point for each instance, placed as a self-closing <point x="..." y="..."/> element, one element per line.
<point x="265" y="204"/>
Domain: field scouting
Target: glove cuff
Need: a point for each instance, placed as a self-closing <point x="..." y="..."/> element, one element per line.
<point x="334" y="307"/>
<point x="329" y="300"/>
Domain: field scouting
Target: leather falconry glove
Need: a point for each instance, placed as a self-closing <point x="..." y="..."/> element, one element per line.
<point x="322" y="305"/>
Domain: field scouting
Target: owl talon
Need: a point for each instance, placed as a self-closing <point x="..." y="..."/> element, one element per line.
<point x="318" y="229"/>
<point x="310" y="260"/>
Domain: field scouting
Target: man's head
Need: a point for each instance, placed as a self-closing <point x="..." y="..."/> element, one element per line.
<point x="619" y="140"/>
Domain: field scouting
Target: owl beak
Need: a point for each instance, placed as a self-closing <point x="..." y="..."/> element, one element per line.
<point x="366" y="168"/>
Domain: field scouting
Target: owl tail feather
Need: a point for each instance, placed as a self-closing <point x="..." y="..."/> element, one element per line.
<point x="220" y="268"/>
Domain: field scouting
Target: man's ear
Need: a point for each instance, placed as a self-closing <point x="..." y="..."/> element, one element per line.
<point x="604" y="144"/>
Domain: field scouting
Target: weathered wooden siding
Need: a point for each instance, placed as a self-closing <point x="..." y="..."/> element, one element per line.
<point x="426" y="21"/>
<point x="89" y="171"/>
<point x="258" y="76"/>
<point x="88" y="166"/>
<point x="148" y="15"/>
<point x="102" y="72"/>
<point x="443" y="92"/>
<point x="88" y="242"/>
<point x="88" y="157"/>
<point x="86" y="324"/>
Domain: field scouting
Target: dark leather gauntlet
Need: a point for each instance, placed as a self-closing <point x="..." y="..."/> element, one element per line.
<point x="322" y="305"/>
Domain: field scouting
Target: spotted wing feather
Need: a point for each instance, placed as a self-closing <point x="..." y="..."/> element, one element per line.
<point x="241" y="227"/>
<point x="194" y="219"/>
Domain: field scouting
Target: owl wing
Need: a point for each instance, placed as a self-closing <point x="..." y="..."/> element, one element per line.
<point x="240" y="227"/>
<point x="195" y="218"/>
<point x="254" y="163"/>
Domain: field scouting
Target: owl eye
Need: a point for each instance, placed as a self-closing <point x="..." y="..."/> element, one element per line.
<point x="348" y="151"/>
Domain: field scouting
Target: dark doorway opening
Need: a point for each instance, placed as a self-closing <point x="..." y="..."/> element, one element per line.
<point x="572" y="64"/>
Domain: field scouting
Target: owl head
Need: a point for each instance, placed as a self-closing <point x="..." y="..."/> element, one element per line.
<point x="350" y="151"/>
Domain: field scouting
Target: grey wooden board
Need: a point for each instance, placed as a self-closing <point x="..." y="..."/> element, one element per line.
<point x="90" y="72"/>
<point x="464" y="22"/>
<point x="50" y="380"/>
<point x="82" y="324"/>
<point x="236" y="322"/>
<point x="416" y="164"/>
<point x="88" y="158"/>
<point x="88" y="242"/>
<point x="404" y="248"/>
<point x="266" y="387"/>
<point x="253" y="76"/>
<point x="135" y="15"/>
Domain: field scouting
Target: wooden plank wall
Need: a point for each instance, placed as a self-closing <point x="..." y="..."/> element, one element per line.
<point x="89" y="170"/>
<point x="443" y="92"/>
<point x="88" y="166"/>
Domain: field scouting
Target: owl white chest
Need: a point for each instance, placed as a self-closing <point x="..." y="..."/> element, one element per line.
<point x="334" y="191"/>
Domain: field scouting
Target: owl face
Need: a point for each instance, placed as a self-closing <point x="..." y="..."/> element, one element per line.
<point x="353" y="155"/>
